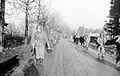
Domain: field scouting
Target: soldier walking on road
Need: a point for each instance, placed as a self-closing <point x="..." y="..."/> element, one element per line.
<point x="38" y="41"/>
<point x="87" y="41"/>
<point x="101" y="49"/>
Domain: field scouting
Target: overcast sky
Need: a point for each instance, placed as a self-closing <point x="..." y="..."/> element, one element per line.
<point x="88" y="13"/>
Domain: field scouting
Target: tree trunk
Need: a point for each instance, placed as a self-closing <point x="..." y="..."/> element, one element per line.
<point x="26" y="25"/>
<point x="39" y="12"/>
<point x="2" y="19"/>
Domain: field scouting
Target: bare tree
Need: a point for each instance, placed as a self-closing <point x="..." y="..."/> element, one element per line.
<point x="41" y="11"/>
<point x="25" y="6"/>
<point x="36" y="11"/>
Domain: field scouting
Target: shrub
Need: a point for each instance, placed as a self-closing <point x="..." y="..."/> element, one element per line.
<point x="11" y="41"/>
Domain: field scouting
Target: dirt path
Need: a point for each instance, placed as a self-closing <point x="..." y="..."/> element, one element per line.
<point x="67" y="61"/>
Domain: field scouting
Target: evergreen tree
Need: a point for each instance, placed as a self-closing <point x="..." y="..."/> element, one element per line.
<point x="113" y="27"/>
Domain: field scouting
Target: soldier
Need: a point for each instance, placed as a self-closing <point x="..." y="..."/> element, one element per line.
<point x="38" y="41"/>
<point x="101" y="49"/>
<point x="87" y="40"/>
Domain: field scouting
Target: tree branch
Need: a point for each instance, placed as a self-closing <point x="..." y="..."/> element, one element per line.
<point x="31" y="1"/>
